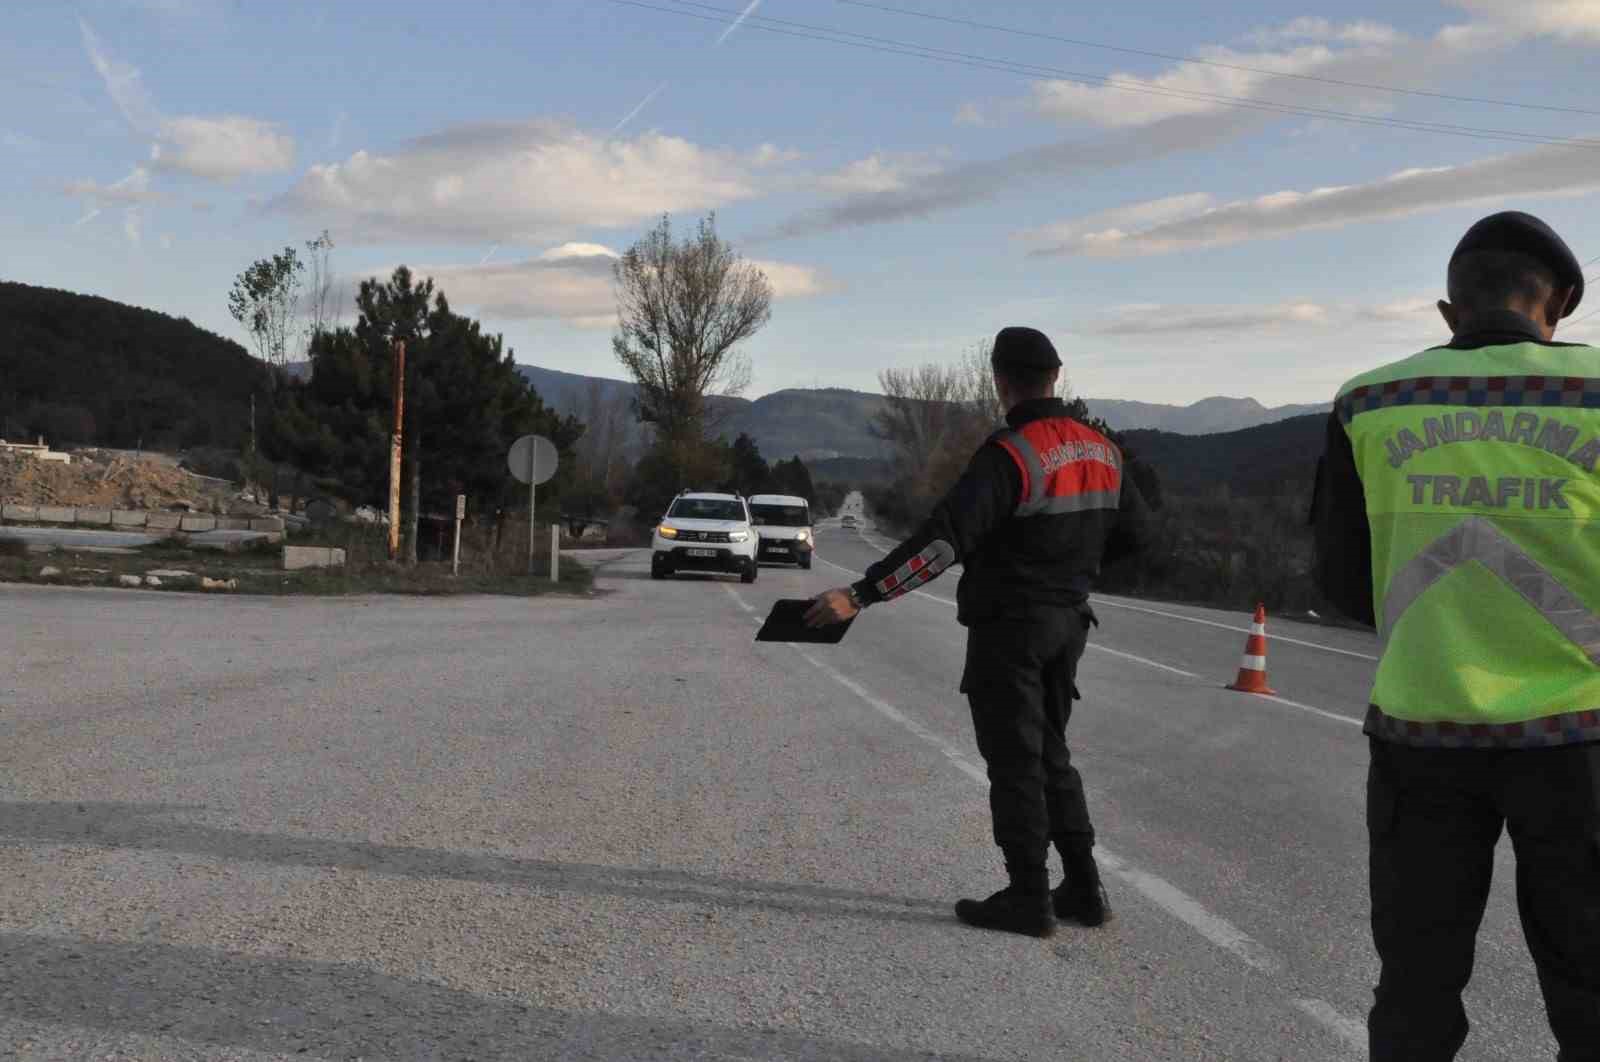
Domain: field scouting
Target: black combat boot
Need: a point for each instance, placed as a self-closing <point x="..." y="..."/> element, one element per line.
<point x="1021" y="907"/>
<point x="1081" y="898"/>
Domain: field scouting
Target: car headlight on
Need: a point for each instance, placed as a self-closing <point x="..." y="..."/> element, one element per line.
<point x="667" y="532"/>
<point x="738" y="536"/>
<point x="804" y="536"/>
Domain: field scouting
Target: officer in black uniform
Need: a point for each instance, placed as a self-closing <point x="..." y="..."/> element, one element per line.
<point x="1031" y="545"/>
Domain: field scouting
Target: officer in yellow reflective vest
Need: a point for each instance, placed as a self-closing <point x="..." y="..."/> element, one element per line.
<point x="1458" y="510"/>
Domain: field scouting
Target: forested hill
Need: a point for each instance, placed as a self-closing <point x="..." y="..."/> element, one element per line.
<point x="82" y="369"/>
<point x="1261" y="461"/>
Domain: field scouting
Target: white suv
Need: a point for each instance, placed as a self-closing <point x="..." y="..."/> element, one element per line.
<point x="705" y="532"/>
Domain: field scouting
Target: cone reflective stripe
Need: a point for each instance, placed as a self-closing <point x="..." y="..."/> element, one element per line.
<point x="1253" y="665"/>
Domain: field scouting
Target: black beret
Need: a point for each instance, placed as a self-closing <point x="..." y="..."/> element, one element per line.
<point x="1023" y="348"/>
<point x="1512" y="230"/>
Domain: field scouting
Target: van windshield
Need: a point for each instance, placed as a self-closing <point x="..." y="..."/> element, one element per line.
<point x="781" y="515"/>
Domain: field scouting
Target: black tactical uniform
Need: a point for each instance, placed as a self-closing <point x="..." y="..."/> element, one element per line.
<point x="1037" y="509"/>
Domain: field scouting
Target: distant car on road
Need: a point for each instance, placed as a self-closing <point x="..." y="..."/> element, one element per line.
<point x="783" y="523"/>
<point x="847" y="521"/>
<point x="707" y="532"/>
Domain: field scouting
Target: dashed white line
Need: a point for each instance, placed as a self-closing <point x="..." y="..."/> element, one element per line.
<point x="1097" y="648"/>
<point x="1115" y="603"/>
<point x="1166" y="896"/>
<point x="1351" y="1031"/>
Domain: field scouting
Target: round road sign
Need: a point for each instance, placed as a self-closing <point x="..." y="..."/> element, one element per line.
<point x="533" y="459"/>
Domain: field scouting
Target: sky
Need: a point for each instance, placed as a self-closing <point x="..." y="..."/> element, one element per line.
<point x="1246" y="199"/>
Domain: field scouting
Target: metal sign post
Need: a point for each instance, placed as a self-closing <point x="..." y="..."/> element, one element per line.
<point x="461" y="514"/>
<point x="533" y="460"/>
<point x="555" y="550"/>
<point x="399" y="347"/>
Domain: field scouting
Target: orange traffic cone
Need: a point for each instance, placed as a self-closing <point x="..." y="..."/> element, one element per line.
<point x="1253" y="667"/>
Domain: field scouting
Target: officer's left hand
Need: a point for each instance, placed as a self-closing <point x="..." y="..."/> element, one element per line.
<point x="830" y="606"/>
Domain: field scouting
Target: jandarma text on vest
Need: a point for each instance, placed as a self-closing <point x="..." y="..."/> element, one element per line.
<point x="1058" y="457"/>
<point x="1481" y="492"/>
<point x="1527" y="429"/>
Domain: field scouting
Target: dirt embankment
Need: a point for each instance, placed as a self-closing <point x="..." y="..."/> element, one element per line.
<point x="96" y="479"/>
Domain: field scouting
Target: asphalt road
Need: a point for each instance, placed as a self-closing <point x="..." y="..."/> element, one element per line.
<point x="619" y="829"/>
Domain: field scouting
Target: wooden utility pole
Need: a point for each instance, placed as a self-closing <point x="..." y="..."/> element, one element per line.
<point x="399" y="346"/>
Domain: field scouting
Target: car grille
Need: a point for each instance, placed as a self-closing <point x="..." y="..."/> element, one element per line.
<point x="703" y="536"/>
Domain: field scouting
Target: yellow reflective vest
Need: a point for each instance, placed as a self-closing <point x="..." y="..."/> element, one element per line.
<point x="1479" y="472"/>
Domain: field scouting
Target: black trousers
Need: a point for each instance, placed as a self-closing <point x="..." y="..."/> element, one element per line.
<point x="1433" y="819"/>
<point x="1019" y="682"/>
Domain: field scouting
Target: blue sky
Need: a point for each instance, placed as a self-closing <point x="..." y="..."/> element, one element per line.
<point x="1173" y="245"/>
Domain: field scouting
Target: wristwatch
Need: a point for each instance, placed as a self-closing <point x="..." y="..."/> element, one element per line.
<point x="855" y="597"/>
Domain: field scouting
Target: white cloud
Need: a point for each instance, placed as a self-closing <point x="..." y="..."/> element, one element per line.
<point x="971" y="114"/>
<point x="1154" y="319"/>
<point x="217" y="147"/>
<point x="573" y="283"/>
<point x="1355" y="52"/>
<point x="1313" y="28"/>
<point x="578" y="250"/>
<point x="790" y="281"/>
<point x="124" y="84"/>
<point x="1577" y="20"/>
<point x="1190" y="222"/>
<point x="878" y="173"/>
<point x="132" y="189"/>
<point x="221" y="148"/>
<point x="527" y="181"/>
<point x="1116" y="224"/>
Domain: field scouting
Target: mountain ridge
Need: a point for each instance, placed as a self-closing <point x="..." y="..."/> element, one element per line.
<point x="832" y="422"/>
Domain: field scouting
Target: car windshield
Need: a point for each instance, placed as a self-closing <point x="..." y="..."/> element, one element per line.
<point x="781" y="515"/>
<point x="706" y="509"/>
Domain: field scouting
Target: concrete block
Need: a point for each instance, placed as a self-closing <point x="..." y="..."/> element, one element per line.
<point x="95" y="517"/>
<point x="296" y="558"/>
<point x="198" y="523"/>
<point x="207" y="583"/>
<point x="267" y="523"/>
<point x="57" y="514"/>
<point x="129" y="517"/>
<point x="22" y="514"/>
<point x="130" y="580"/>
<point x="49" y="572"/>
<point x="233" y="523"/>
<point x="163" y="521"/>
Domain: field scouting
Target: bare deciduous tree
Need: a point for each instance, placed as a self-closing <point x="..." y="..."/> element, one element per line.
<point x="682" y="310"/>
<point x="320" y="301"/>
<point x="265" y="300"/>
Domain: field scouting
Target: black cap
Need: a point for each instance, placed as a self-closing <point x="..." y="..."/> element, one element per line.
<point x="1512" y="230"/>
<point x="1023" y="348"/>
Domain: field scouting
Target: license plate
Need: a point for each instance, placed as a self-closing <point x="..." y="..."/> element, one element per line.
<point x="702" y="552"/>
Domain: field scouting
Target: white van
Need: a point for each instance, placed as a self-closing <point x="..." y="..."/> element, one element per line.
<point x="784" y="523"/>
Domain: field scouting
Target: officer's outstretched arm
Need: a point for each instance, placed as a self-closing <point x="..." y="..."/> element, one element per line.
<point x="987" y="492"/>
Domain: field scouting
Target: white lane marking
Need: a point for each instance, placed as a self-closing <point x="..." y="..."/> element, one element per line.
<point x="1102" y="600"/>
<point x="1142" y="660"/>
<point x="1335" y="716"/>
<point x="1115" y="603"/>
<point x="1092" y="645"/>
<point x="1159" y="891"/>
<point x="1349" y="1030"/>
<point x="1352" y="720"/>
<point x="1165" y="895"/>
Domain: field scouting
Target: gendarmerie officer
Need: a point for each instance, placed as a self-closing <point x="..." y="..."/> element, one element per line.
<point x="1039" y="506"/>
<point x="1458" y="510"/>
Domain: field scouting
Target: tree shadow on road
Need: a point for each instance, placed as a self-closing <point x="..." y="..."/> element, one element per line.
<point x="160" y="827"/>
<point x="342" y="1010"/>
